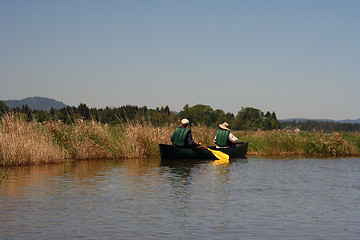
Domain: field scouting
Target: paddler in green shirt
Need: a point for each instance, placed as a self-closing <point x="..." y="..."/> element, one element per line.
<point x="224" y="138"/>
<point x="182" y="135"/>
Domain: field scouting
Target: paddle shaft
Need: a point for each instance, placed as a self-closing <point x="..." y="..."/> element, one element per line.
<point x="218" y="154"/>
<point x="202" y="145"/>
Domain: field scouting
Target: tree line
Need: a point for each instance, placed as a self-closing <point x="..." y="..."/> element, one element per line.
<point x="247" y="118"/>
<point x="311" y="125"/>
<point x="70" y="114"/>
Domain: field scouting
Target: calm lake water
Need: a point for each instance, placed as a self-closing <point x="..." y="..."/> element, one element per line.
<point x="254" y="198"/>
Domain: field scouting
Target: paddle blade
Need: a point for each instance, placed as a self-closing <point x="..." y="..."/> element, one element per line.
<point x="220" y="155"/>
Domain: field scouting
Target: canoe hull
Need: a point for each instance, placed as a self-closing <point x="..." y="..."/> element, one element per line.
<point x="173" y="152"/>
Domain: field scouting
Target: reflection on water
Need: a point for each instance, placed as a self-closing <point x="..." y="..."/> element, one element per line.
<point x="253" y="198"/>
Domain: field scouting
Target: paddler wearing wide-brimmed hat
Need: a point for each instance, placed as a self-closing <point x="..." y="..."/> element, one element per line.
<point x="224" y="138"/>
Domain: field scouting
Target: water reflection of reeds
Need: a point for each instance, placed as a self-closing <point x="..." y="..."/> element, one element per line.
<point x="28" y="179"/>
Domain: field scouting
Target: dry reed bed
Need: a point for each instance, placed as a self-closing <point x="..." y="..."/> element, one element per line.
<point x="24" y="142"/>
<point x="302" y="143"/>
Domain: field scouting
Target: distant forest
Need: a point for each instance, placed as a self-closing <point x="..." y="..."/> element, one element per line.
<point x="247" y="118"/>
<point x="311" y="125"/>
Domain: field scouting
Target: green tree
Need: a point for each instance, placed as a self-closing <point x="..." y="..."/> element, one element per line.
<point x="3" y="107"/>
<point x="84" y="111"/>
<point x="185" y="112"/>
<point x="220" y="116"/>
<point x="267" y="123"/>
<point x="249" y="118"/>
<point x="199" y="114"/>
<point x="60" y="116"/>
<point x="41" y="116"/>
<point x="107" y="116"/>
<point x="275" y="124"/>
<point x="26" y="110"/>
<point x="167" y="110"/>
<point x="52" y="111"/>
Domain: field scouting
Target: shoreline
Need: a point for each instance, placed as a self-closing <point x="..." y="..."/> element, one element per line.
<point x="24" y="143"/>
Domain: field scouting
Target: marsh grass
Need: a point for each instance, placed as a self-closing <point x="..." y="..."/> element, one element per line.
<point x="142" y="140"/>
<point x="24" y="142"/>
<point x="304" y="143"/>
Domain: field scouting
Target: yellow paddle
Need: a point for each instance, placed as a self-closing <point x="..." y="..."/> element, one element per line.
<point x="219" y="155"/>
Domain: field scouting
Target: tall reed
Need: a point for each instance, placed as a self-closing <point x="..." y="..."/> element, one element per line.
<point x="24" y="142"/>
<point x="282" y="142"/>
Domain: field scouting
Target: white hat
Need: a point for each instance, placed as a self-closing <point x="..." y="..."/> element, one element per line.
<point x="185" y="122"/>
<point x="225" y="126"/>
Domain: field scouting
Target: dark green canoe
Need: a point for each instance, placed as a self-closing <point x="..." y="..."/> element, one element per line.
<point x="173" y="152"/>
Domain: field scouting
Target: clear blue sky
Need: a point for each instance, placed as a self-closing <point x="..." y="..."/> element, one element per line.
<point x="299" y="58"/>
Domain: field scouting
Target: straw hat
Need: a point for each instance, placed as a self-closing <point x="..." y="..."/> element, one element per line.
<point x="185" y="122"/>
<point x="225" y="126"/>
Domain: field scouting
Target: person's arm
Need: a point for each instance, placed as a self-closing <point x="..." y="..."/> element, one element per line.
<point x="190" y="140"/>
<point x="172" y="138"/>
<point x="232" y="138"/>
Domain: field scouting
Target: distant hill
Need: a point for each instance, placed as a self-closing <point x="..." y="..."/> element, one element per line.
<point x="319" y="120"/>
<point x="349" y="121"/>
<point x="36" y="103"/>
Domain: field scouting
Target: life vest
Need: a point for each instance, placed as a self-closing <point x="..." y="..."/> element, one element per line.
<point x="180" y="136"/>
<point x="222" y="138"/>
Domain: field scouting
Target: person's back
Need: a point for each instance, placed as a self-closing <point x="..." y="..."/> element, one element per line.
<point x="182" y="135"/>
<point x="224" y="138"/>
